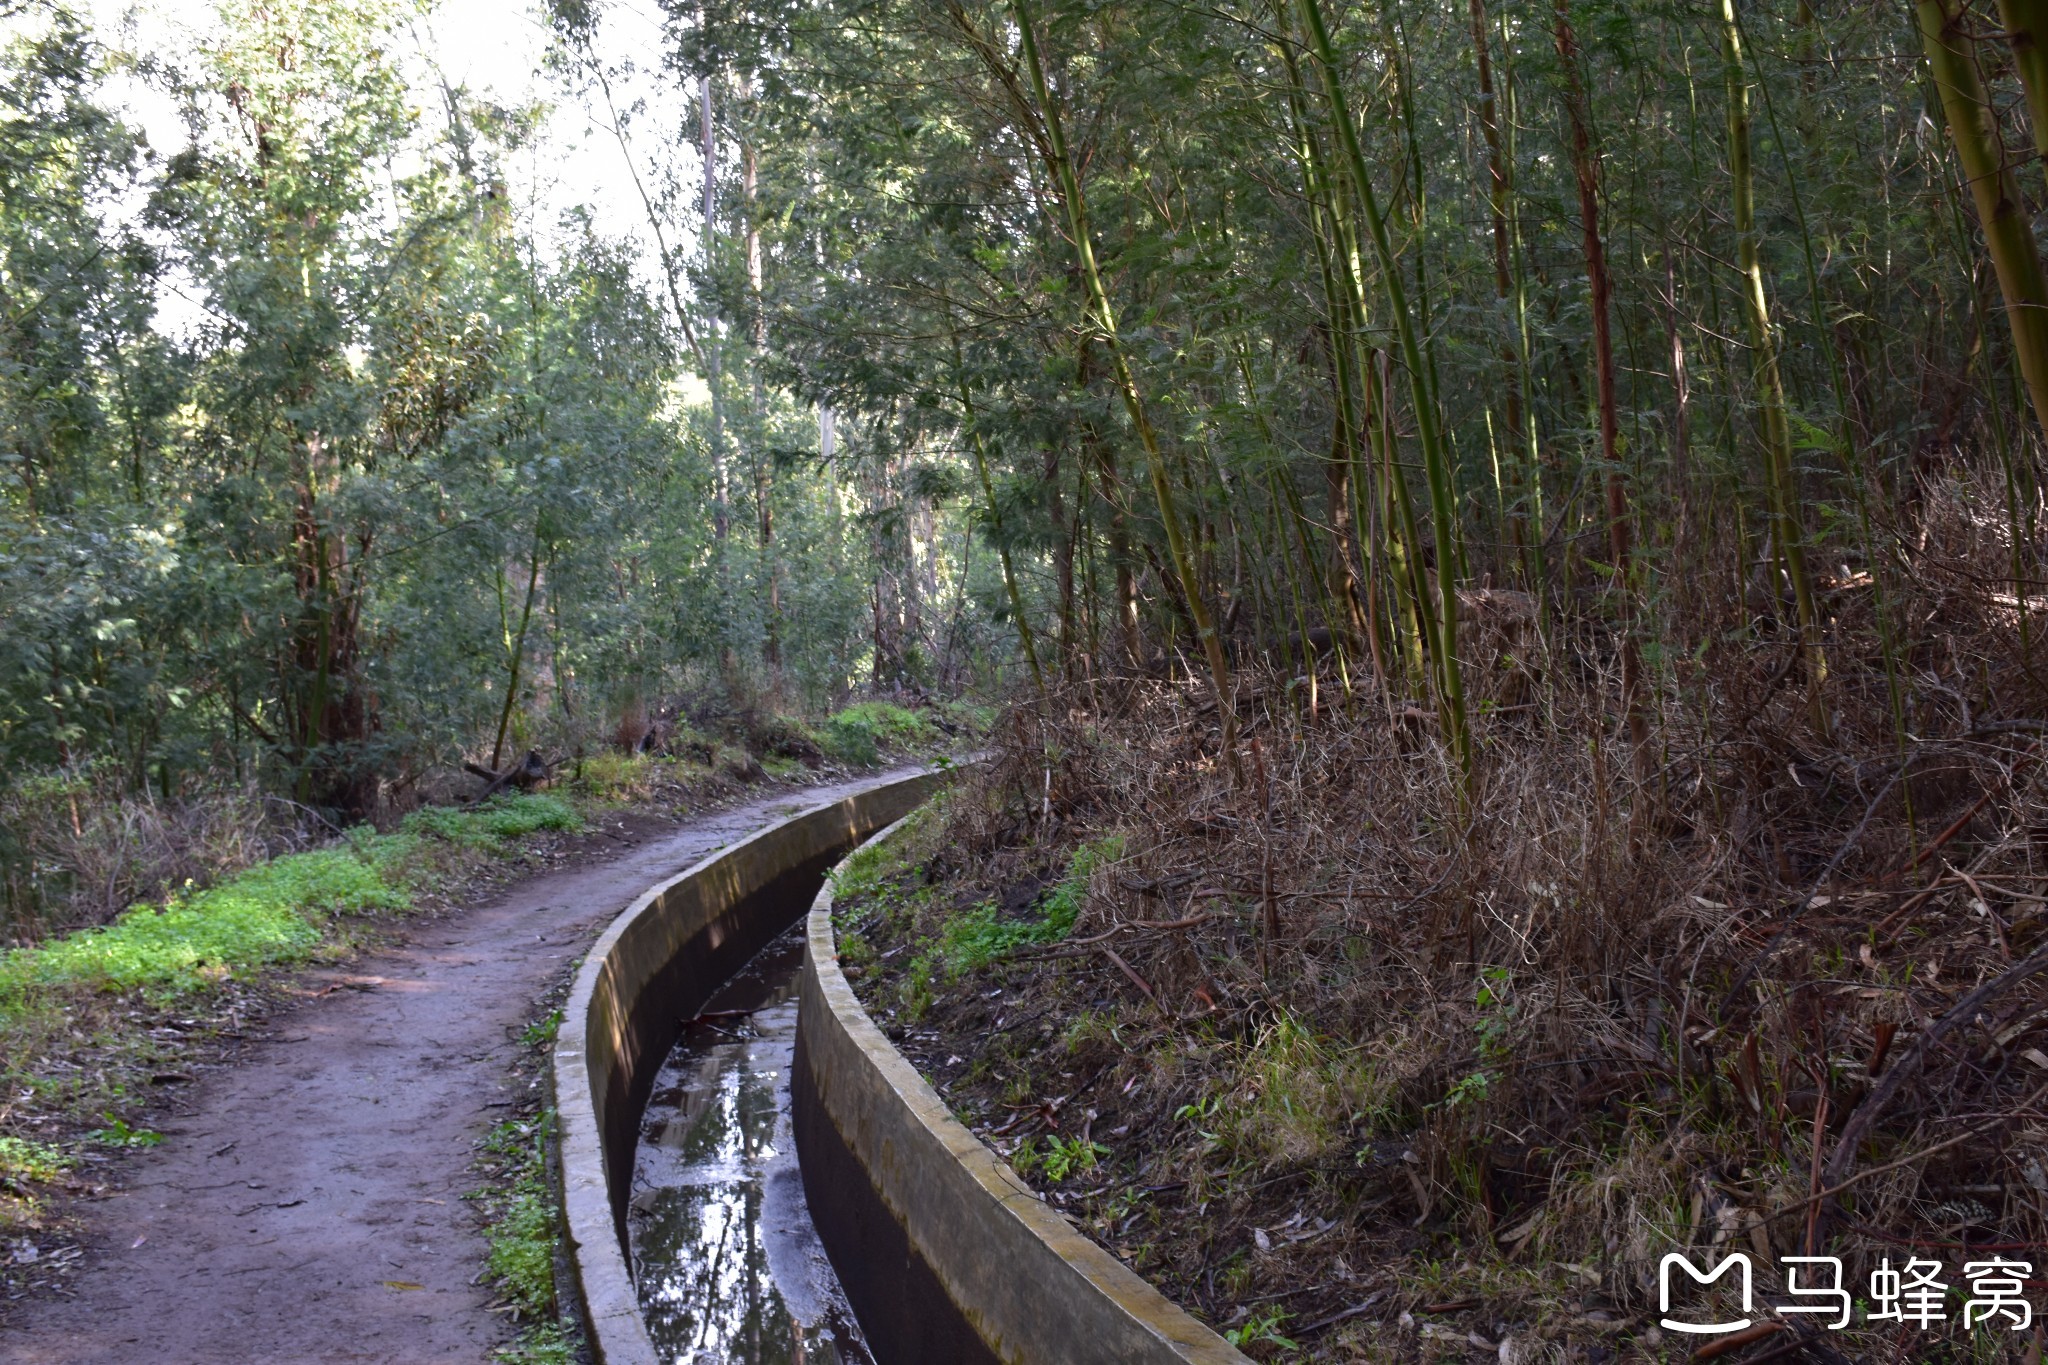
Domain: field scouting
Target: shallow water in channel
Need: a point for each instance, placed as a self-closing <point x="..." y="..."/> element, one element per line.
<point x="728" y="1265"/>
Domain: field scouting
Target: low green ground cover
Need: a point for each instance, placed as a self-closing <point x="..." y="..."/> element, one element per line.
<point x="83" y="1015"/>
<point x="521" y="1215"/>
<point x="273" y="913"/>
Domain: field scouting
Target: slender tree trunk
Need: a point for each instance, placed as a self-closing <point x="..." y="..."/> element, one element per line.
<point x="721" y="468"/>
<point x="721" y="495"/>
<point x="671" y="266"/>
<point x="1620" y="545"/>
<point x="1435" y="453"/>
<point x="2026" y="30"/>
<point x="1339" y="580"/>
<point x="515" y="650"/>
<point x="1497" y="191"/>
<point x="997" y="534"/>
<point x="764" y="473"/>
<point x="1382" y="505"/>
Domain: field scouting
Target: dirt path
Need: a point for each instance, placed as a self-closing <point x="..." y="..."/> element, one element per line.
<point x="334" y="1158"/>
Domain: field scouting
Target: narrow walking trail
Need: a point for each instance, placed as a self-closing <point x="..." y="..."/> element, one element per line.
<point x="288" y="1214"/>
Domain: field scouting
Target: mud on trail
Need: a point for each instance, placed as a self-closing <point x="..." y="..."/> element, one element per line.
<point x="308" y="1204"/>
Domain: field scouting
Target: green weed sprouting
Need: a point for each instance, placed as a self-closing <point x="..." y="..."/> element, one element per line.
<point x="977" y="937"/>
<point x="26" y="1159"/>
<point x="1491" y="1031"/>
<point x="1263" y="1329"/>
<point x="1067" y="1156"/>
<point x="1059" y="1157"/>
<point x="542" y="1031"/>
<point x="521" y="1237"/>
<point x="117" y="1133"/>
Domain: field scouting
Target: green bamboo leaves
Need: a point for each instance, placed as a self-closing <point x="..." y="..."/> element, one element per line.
<point x="1103" y="316"/>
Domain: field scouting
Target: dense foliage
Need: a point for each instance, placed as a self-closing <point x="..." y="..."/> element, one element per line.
<point x="1294" y="328"/>
<point x="321" y="470"/>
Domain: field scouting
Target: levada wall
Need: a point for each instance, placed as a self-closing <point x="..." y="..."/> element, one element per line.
<point x="653" y="968"/>
<point x="945" y="1254"/>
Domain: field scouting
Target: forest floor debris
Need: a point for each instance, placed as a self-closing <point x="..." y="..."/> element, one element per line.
<point x="1353" y="1073"/>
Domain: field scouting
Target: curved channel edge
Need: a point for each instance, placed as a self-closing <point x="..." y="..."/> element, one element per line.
<point x="944" y="1253"/>
<point x="656" y="963"/>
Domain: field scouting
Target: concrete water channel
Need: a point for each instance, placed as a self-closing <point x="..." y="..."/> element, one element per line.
<point x="726" y="1259"/>
<point x="751" y="1172"/>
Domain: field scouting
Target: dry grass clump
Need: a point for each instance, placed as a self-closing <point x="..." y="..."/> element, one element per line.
<point x="80" y="845"/>
<point x="1358" y="1048"/>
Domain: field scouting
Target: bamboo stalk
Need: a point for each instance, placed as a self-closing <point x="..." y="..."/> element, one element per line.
<point x="1586" y="175"/>
<point x="1780" y="475"/>
<point x="1517" y="511"/>
<point x="1973" y="127"/>
<point x="2026" y="32"/>
<point x="1435" y="455"/>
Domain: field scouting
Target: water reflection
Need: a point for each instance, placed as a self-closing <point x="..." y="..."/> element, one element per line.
<point x="728" y="1265"/>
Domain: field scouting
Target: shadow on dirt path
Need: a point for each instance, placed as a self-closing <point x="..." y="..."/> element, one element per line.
<point x="309" y="1205"/>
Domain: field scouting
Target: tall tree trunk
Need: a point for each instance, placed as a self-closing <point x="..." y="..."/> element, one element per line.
<point x="336" y="713"/>
<point x="721" y="505"/>
<point x="1498" y="188"/>
<point x="1586" y="172"/>
<point x="996" y="531"/>
<point x="515" y="649"/>
<point x="1435" y="453"/>
<point x="764" y="473"/>
<point x="721" y="470"/>
<point x="2026" y="30"/>
<point x="1104" y="319"/>
<point x="1787" y="523"/>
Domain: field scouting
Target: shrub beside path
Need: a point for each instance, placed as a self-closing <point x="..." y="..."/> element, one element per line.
<point x="309" y="1206"/>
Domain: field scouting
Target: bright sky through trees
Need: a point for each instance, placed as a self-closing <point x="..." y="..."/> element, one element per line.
<point x="493" y="49"/>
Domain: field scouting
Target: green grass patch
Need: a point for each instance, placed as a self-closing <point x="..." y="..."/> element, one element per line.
<point x="858" y="734"/>
<point x="522" y="1229"/>
<point x="280" y="913"/>
<point x="521" y="1235"/>
<point x="494" y="822"/>
<point x="888" y="721"/>
<point x="269" y="915"/>
<point x="263" y="916"/>
<point x="24" y="1159"/>
<point x="974" y="938"/>
<point x="863" y="873"/>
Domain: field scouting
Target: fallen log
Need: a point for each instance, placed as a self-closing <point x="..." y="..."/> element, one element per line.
<point x="524" y="775"/>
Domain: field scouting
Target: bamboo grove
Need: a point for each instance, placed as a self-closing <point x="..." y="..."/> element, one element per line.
<point x="1296" y="329"/>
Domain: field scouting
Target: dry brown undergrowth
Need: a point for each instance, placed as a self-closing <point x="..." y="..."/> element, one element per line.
<point x="1493" y="1065"/>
